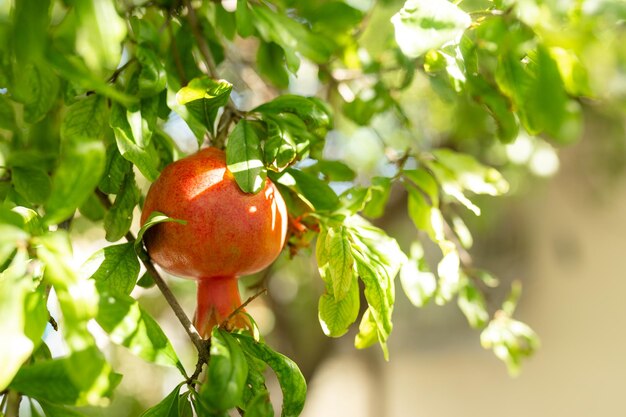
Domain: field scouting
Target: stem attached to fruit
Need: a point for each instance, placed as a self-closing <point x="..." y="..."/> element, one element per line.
<point x="219" y="303"/>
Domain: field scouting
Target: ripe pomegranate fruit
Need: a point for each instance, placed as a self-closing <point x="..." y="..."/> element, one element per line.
<point x="228" y="233"/>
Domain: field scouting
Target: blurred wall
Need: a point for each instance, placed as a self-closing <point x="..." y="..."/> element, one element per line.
<point x="574" y="289"/>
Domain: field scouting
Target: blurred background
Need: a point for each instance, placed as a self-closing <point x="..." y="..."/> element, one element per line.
<point x="561" y="231"/>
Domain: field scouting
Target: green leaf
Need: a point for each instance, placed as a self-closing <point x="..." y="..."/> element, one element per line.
<point x="7" y="114"/>
<point x="260" y="406"/>
<point x="116" y="268"/>
<point x="318" y="193"/>
<point x="99" y="34"/>
<point x="425" y="182"/>
<point x="379" y="192"/>
<point x="14" y="287"/>
<point x="226" y="373"/>
<point x="115" y="171"/>
<point x="472" y="303"/>
<point x="270" y="60"/>
<point x="71" y="67"/>
<point x="131" y="326"/>
<point x="280" y="149"/>
<point x="53" y="410"/>
<point x="418" y="283"/>
<point x="334" y="170"/>
<point x="129" y="146"/>
<point x="245" y="26"/>
<point x="337" y="315"/>
<point x="10" y="237"/>
<point x="470" y="174"/>
<point x="152" y="77"/>
<point x="422" y="25"/>
<point x="32" y="183"/>
<point x="291" y="380"/>
<point x="312" y="111"/>
<point x="245" y="159"/>
<point x="31" y="19"/>
<point x="92" y="208"/>
<point x="449" y="273"/>
<point x="82" y="158"/>
<point x="118" y="219"/>
<point x="341" y="262"/>
<point x="153" y="219"/>
<point x="80" y="379"/>
<point x="168" y="407"/>
<point x="203" y="97"/>
<point x="37" y="88"/>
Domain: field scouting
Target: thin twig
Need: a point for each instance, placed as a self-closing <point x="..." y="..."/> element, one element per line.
<point x="177" y="62"/>
<point x="203" y="46"/>
<point x="53" y="322"/>
<point x="13" y="404"/>
<point x="241" y="307"/>
<point x="165" y="290"/>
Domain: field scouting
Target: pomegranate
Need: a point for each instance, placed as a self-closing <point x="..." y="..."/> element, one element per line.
<point x="228" y="233"/>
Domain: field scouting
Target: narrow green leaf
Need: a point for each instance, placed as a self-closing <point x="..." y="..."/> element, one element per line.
<point x="32" y="183"/>
<point x="131" y="326"/>
<point x="315" y="191"/>
<point x="226" y="374"/>
<point x="92" y="208"/>
<point x="128" y="145"/>
<point x="245" y="26"/>
<point x="154" y="219"/>
<point x="341" y="262"/>
<point x="245" y="159"/>
<point x="270" y="60"/>
<point x="291" y="380"/>
<point x="379" y="192"/>
<point x="168" y="407"/>
<point x="422" y="25"/>
<point x="31" y="19"/>
<point x="203" y="97"/>
<point x="82" y="158"/>
<point x="116" y="268"/>
<point x="118" y="219"/>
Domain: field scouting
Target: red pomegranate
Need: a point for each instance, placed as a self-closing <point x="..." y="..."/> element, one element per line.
<point x="228" y="233"/>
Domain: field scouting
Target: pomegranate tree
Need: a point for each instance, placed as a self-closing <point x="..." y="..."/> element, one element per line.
<point x="228" y="233"/>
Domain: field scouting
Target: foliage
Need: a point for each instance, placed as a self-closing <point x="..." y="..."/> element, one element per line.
<point x="90" y="90"/>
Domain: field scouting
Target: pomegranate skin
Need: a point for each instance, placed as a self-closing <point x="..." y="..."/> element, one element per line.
<point x="228" y="232"/>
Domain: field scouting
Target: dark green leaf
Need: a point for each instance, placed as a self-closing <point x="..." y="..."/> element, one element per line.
<point x="313" y="112"/>
<point x="315" y="191"/>
<point x="203" y="97"/>
<point x="116" y="268"/>
<point x="270" y="60"/>
<point x="245" y="159"/>
<point x="226" y="374"/>
<point x="115" y="171"/>
<point x="131" y="326"/>
<point x="31" y="19"/>
<point x="7" y="114"/>
<point x="152" y="76"/>
<point x="129" y="146"/>
<point x="118" y="219"/>
<point x="32" y="183"/>
<point x="260" y="406"/>
<point x="146" y="280"/>
<point x="82" y="158"/>
<point x="245" y="26"/>
<point x="292" y="383"/>
<point x="168" y="407"/>
<point x="37" y="87"/>
<point x="92" y="208"/>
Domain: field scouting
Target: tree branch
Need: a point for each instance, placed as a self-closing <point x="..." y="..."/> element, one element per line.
<point x="203" y="46"/>
<point x="195" y="337"/>
<point x="13" y="403"/>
